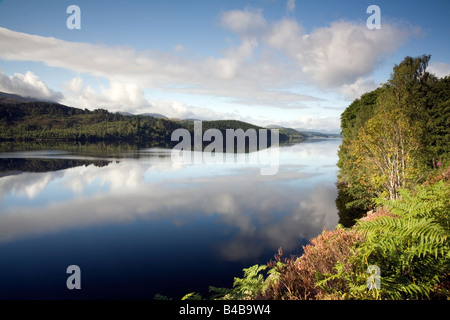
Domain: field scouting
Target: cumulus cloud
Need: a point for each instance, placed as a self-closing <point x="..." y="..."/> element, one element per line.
<point x="244" y="22"/>
<point x="30" y="184"/>
<point x="117" y="96"/>
<point x="286" y="35"/>
<point x="336" y="55"/>
<point x="440" y="69"/>
<point x="129" y="97"/>
<point x="358" y="88"/>
<point x="28" y="85"/>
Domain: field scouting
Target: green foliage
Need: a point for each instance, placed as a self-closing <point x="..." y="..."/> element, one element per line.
<point x="222" y="293"/>
<point x="254" y="284"/>
<point x="353" y="284"/>
<point x="412" y="246"/>
<point x="161" y="297"/>
<point x="408" y="240"/>
<point x="358" y="112"/>
<point x="251" y="283"/>
<point x="394" y="135"/>
<point x="192" y="296"/>
<point x="386" y="148"/>
<point x="429" y="201"/>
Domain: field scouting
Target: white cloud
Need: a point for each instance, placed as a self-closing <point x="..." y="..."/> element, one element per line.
<point x="128" y="97"/>
<point x="329" y="56"/>
<point x="117" y="96"/>
<point x="440" y="69"/>
<point x="244" y="22"/>
<point x="286" y="35"/>
<point x="28" y="85"/>
<point x="236" y="74"/>
<point x="338" y="54"/>
<point x="358" y="88"/>
<point x="29" y="185"/>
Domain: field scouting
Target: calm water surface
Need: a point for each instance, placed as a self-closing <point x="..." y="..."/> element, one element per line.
<point x="138" y="223"/>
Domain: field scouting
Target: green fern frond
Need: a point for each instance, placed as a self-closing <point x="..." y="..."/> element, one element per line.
<point x="192" y="296"/>
<point x="412" y="247"/>
<point x="222" y="293"/>
<point x="252" y="283"/>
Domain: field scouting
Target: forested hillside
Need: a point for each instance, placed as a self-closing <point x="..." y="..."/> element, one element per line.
<point x="31" y="120"/>
<point x="50" y="121"/>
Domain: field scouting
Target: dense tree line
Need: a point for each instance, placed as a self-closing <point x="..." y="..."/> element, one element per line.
<point x="9" y="165"/>
<point x="393" y="137"/>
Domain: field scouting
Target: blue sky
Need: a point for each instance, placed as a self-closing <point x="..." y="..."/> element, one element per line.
<point x="293" y="63"/>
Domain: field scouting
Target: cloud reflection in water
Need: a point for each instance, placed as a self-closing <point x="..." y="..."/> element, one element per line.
<point x="260" y="212"/>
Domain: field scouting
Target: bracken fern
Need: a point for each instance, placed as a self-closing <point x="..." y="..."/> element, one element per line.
<point x="412" y="247"/>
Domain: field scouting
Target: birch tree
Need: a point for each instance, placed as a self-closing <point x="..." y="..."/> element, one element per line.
<point x="385" y="147"/>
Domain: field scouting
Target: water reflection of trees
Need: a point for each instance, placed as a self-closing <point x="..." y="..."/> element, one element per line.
<point x="347" y="215"/>
<point x="80" y="147"/>
<point x="14" y="165"/>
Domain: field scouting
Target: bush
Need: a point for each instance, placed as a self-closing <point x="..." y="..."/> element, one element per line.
<point x="298" y="278"/>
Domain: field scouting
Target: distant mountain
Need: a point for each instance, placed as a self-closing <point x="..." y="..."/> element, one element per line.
<point x="191" y="119"/>
<point x="307" y="133"/>
<point x="123" y="113"/>
<point x="154" y="115"/>
<point x="10" y="98"/>
<point x="320" y="134"/>
<point x="321" y="131"/>
<point x="294" y="135"/>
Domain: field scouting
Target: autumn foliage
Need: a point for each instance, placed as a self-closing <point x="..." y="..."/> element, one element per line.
<point x="298" y="277"/>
